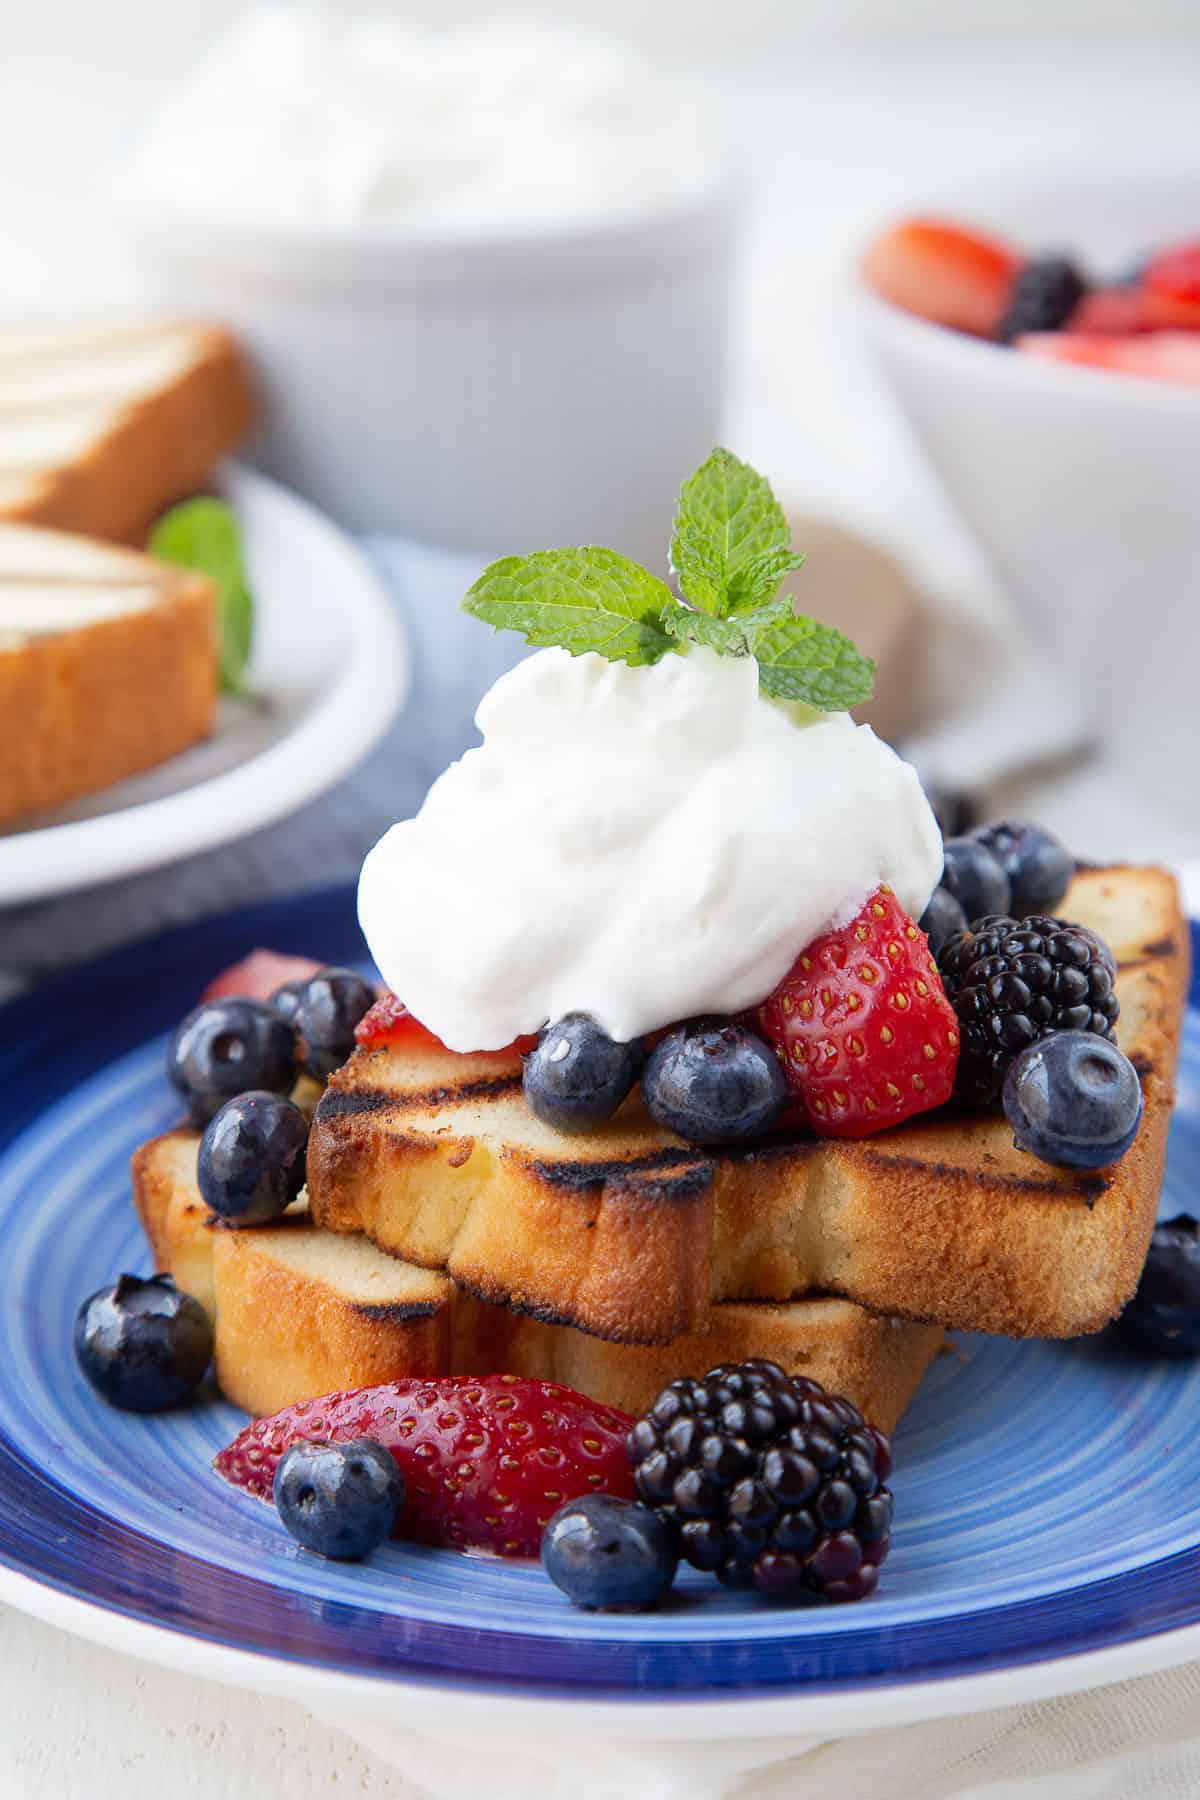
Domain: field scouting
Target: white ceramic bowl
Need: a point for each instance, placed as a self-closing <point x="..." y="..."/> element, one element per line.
<point x="498" y="394"/>
<point x="1083" y="487"/>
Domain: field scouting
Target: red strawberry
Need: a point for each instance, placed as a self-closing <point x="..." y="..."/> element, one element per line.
<point x="1109" y="312"/>
<point x="862" y="1024"/>
<point x="486" y="1461"/>
<point x="258" y="975"/>
<point x="943" y="273"/>
<point x="390" y="1022"/>
<point x="1158" y="355"/>
<point x="1172" y="289"/>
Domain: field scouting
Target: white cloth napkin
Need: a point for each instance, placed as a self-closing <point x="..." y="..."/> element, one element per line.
<point x="1138" y="1740"/>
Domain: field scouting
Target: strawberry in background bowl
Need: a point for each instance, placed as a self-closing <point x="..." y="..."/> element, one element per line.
<point x="1070" y="456"/>
<point x="1144" y="322"/>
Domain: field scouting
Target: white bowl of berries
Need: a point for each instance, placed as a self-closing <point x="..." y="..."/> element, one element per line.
<point x="1047" y="358"/>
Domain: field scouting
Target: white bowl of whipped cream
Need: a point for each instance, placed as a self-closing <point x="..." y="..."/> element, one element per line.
<point x="484" y="275"/>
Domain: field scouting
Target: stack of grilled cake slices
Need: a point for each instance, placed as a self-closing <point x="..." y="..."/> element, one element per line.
<point x="446" y="1230"/>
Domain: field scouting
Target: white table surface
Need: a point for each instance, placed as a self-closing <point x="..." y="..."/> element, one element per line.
<point x="834" y="144"/>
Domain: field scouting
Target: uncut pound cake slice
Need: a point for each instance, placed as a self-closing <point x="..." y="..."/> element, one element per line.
<point x="103" y="426"/>
<point x="631" y="1234"/>
<point x="108" y="666"/>
<point x="301" y="1312"/>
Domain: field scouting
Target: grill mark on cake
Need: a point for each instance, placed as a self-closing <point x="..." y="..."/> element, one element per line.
<point x="664" y="1174"/>
<point x="492" y="1295"/>
<point x="348" y="1102"/>
<point x="1083" y="1187"/>
<point x="131" y="577"/>
<point x="777" y="1150"/>
<point x="395" y="1312"/>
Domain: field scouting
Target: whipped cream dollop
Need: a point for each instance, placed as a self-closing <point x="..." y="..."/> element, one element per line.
<point x="643" y="845"/>
<point x="319" y="116"/>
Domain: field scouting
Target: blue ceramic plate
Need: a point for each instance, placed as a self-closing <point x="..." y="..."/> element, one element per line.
<point x="1047" y="1495"/>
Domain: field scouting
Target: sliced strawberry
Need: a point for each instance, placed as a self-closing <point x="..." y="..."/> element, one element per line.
<point x="390" y="1022"/>
<point x="259" y="975"/>
<point x="1172" y="289"/>
<point x="1158" y="355"/>
<point x="485" y="1461"/>
<point x="1110" y="312"/>
<point x="862" y="1024"/>
<point x="943" y="273"/>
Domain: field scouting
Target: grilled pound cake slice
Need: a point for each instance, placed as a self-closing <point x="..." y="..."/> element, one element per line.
<point x="108" y="665"/>
<point x="301" y="1312"/>
<point x="103" y="426"/>
<point x="631" y="1234"/>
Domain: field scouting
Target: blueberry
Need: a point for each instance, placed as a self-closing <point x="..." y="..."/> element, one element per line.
<point x="333" y="1002"/>
<point x="341" y="1500"/>
<point x="576" y="1076"/>
<point x="975" y="878"/>
<point x="142" y="1344"/>
<point x="251" y="1162"/>
<point x="227" y="1047"/>
<point x="714" y="1082"/>
<point x="1164" y="1315"/>
<point x="942" y="919"/>
<point x="1074" y="1099"/>
<point x="609" y="1555"/>
<point x="952" y="810"/>
<point x="1039" y="870"/>
<point x="286" y="999"/>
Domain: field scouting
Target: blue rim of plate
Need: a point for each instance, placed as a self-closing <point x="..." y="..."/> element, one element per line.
<point x="55" y="1039"/>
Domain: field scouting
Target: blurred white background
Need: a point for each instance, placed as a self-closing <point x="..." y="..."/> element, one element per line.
<point x="842" y="115"/>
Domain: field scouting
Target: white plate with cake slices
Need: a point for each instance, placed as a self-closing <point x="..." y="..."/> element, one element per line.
<point x="329" y="670"/>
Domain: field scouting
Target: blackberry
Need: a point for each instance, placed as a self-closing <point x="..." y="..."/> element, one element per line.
<point x="1014" y="981"/>
<point x="1042" y="298"/>
<point x="768" y="1482"/>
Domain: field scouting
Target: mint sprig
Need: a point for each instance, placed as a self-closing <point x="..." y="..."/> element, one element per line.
<point x="798" y="659"/>
<point x="581" y="600"/>
<point x="732" y="546"/>
<point x="204" y="534"/>
<point x="731" y="550"/>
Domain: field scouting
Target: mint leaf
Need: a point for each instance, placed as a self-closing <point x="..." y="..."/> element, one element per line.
<point x="798" y="659"/>
<point x="729" y="637"/>
<point x="758" y="578"/>
<point x="204" y="534"/>
<point x="727" y="520"/>
<point x="582" y="600"/>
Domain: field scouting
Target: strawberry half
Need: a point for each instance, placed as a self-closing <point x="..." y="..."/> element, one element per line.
<point x="1156" y="355"/>
<point x="1109" y="312"/>
<point x="862" y="1024"/>
<point x="259" y="975"/>
<point x="1171" y="288"/>
<point x="943" y="273"/>
<point x="390" y="1022"/>
<point x="486" y="1461"/>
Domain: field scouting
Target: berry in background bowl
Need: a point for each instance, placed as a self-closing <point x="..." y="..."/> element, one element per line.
<point x="1049" y="305"/>
<point x="1077" y="481"/>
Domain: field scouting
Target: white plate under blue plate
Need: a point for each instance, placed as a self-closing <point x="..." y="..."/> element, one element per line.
<point x="1047" y="1495"/>
<point x="329" y="670"/>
